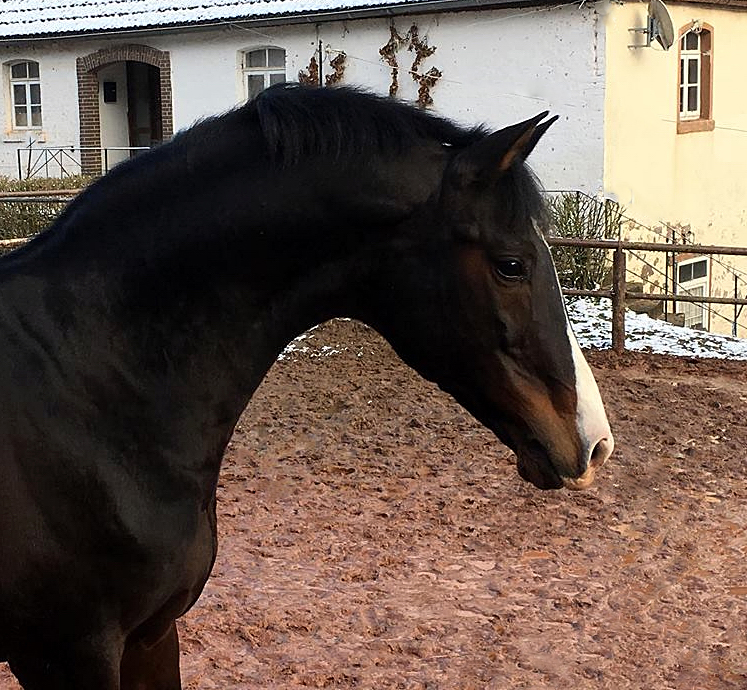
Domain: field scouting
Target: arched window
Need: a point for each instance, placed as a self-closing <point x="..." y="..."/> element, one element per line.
<point x="25" y="95"/>
<point x="695" y="79"/>
<point x="261" y="68"/>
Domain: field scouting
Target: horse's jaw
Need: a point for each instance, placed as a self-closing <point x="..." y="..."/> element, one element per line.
<point x="534" y="466"/>
<point x="557" y="448"/>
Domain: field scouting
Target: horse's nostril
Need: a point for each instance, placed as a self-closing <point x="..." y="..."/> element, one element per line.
<point x="601" y="451"/>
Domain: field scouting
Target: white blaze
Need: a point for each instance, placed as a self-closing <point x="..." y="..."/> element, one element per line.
<point x="591" y="419"/>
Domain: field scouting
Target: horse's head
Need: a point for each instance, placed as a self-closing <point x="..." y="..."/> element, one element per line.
<point x="498" y="335"/>
<point x="433" y="234"/>
<point x="521" y="371"/>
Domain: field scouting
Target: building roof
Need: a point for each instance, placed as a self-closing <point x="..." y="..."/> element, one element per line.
<point x="28" y="19"/>
<point x="729" y="4"/>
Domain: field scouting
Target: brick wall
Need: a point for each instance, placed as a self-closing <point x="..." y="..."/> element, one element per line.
<point x="88" y="95"/>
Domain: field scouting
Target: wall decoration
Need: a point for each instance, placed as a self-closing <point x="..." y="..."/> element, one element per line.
<point x="338" y="66"/>
<point x="422" y="50"/>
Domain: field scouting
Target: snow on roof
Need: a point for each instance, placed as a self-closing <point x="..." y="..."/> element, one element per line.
<point x="48" y="18"/>
<point x="36" y="18"/>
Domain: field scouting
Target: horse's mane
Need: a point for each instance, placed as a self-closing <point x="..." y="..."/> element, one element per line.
<point x="297" y="121"/>
<point x="290" y="122"/>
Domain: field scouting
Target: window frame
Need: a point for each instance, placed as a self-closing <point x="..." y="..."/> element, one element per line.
<point x="27" y="82"/>
<point x="689" y="309"/>
<point x="702" y="119"/>
<point x="266" y="71"/>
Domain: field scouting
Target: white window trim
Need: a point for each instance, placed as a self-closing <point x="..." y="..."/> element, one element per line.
<point x="27" y="82"/>
<point x="685" y="112"/>
<point x="267" y="72"/>
<point x="695" y="312"/>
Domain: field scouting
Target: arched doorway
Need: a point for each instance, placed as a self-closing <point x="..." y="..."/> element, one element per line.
<point x="124" y="96"/>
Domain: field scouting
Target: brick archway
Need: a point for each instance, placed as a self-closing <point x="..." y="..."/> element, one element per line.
<point x="88" y="95"/>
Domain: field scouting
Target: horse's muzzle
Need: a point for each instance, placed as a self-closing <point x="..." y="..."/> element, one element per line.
<point x="599" y="454"/>
<point x="535" y="465"/>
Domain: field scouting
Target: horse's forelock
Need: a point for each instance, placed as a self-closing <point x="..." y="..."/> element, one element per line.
<point x="520" y="198"/>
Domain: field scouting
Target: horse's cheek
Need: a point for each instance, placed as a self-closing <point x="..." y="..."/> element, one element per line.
<point x="473" y="283"/>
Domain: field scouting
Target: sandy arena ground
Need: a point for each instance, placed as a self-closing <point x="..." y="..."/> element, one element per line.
<point x="374" y="536"/>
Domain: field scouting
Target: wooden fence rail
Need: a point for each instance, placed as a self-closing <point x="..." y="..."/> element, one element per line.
<point x="37" y="194"/>
<point x="647" y="246"/>
<point x="618" y="294"/>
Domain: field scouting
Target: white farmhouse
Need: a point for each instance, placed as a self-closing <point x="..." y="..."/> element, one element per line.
<point x="90" y="80"/>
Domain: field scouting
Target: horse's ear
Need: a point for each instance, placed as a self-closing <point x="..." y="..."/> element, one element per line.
<point x="496" y="153"/>
<point x="529" y="133"/>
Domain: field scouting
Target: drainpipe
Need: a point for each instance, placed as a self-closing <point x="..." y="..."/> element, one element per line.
<point x="321" y="65"/>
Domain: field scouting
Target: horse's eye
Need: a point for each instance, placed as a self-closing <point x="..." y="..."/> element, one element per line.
<point x="509" y="269"/>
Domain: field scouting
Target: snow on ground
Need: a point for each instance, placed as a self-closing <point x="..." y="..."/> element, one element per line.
<point x="305" y="345"/>
<point x="592" y="323"/>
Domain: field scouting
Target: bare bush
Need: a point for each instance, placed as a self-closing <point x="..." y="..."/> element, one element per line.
<point x="578" y="215"/>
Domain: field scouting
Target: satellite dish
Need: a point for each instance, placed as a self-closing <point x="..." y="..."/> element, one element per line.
<point x="660" y="27"/>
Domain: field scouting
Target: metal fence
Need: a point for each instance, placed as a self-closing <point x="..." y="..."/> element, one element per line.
<point x="66" y="161"/>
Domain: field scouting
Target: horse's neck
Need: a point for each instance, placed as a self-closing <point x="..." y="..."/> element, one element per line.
<point x="189" y="313"/>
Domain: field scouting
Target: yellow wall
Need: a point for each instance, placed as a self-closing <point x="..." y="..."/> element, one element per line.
<point x="661" y="177"/>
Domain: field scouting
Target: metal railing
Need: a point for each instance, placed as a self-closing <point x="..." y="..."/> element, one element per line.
<point x="65" y="161"/>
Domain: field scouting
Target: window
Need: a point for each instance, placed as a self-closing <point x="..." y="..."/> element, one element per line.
<point x="692" y="271"/>
<point x="695" y="79"/>
<point x="692" y="279"/>
<point x="262" y="68"/>
<point x="25" y="95"/>
<point x="690" y="76"/>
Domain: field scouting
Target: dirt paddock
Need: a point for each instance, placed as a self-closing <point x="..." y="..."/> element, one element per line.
<point x="374" y="536"/>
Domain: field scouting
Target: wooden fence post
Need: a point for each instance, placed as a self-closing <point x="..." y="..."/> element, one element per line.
<point x="618" y="301"/>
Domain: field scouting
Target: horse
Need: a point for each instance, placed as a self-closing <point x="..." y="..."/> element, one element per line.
<point x="136" y="328"/>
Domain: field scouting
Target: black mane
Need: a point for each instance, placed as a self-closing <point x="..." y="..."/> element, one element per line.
<point x="283" y="126"/>
<point x="298" y="121"/>
<point x="342" y="122"/>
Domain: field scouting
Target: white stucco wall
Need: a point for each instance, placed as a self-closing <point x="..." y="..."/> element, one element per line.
<point x="59" y="88"/>
<point x="498" y="67"/>
<point x="114" y="125"/>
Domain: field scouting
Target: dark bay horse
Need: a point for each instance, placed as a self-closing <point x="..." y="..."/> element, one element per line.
<point x="134" y="331"/>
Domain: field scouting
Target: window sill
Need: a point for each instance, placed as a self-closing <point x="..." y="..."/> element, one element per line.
<point x="23" y="136"/>
<point x="687" y="126"/>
